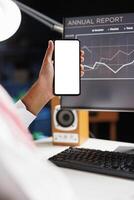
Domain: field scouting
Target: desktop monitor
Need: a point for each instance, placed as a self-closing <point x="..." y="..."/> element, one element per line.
<point x="108" y="43"/>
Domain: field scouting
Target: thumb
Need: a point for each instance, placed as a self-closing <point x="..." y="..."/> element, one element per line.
<point x="49" y="51"/>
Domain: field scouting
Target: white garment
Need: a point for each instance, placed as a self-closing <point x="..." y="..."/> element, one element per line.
<point x="26" y="116"/>
<point x="23" y="176"/>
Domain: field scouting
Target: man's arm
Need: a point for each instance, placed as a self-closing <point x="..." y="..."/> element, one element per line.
<point x="42" y="90"/>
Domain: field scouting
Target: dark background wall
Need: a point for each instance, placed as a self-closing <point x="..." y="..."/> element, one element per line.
<point x="21" y="56"/>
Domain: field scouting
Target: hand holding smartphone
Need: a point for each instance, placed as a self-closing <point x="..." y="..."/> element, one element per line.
<point x="67" y="67"/>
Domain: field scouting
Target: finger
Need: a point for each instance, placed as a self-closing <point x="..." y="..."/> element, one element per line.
<point x="82" y="53"/>
<point x="82" y="59"/>
<point x="49" y="51"/>
<point x="82" y="67"/>
<point x="82" y="73"/>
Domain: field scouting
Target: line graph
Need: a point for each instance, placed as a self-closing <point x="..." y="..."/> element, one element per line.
<point x="118" y="52"/>
<point x="101" y="63"/>
<point x="108" y="56"/>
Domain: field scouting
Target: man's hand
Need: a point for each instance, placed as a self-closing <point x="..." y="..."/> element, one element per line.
<point x="46" y="73"/>
<point x="42" y="90"/>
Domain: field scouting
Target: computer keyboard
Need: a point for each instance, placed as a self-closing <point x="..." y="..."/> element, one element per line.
<point x="96" y="161"/>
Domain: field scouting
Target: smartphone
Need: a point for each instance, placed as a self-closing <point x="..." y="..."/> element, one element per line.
<point x="67" y="67"/>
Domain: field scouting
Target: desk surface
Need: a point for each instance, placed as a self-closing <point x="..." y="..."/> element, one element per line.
<point x="88" y="185"/>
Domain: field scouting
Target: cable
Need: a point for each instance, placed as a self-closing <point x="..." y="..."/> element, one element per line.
<point x="92" y="135"/>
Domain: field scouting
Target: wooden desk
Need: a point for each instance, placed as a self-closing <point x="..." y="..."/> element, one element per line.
<point x="109" y="117"/>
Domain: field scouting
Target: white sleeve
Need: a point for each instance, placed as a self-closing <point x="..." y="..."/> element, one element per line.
<point x="26" y="116"/>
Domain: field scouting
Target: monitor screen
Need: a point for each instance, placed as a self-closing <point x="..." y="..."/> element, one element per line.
<point x="108" y="43"/>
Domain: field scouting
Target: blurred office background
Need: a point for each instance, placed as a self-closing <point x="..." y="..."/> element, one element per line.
<point x="21" y="58"/>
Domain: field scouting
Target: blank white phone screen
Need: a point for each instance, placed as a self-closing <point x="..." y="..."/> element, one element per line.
<point x="67" y="67"/>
